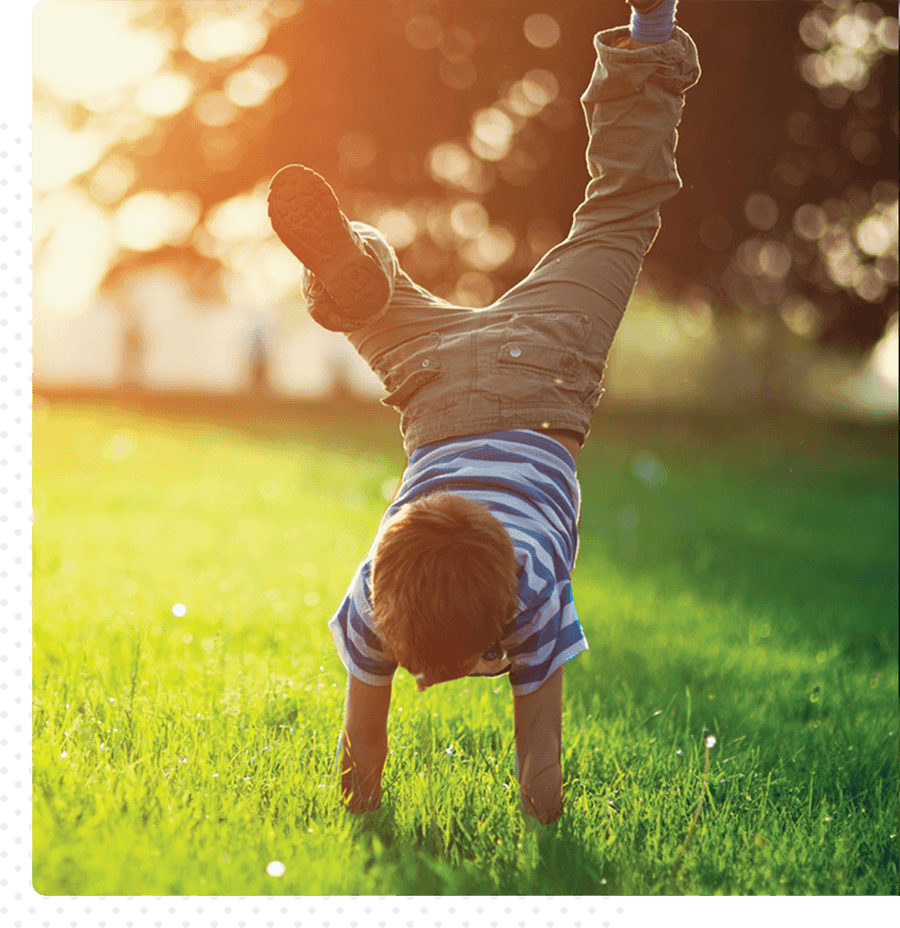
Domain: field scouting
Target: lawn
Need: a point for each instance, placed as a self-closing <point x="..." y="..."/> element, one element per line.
<point x="737" y="582"/>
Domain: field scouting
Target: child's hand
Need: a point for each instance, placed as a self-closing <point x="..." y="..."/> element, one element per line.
<point x="358" y="806"/>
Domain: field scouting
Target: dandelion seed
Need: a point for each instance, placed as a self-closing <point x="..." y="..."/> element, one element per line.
<point x="215" y="775"/>
<point x="449" y="750"/>
<point x="710" y="741"/>
<point x="276" y="867"/>
<point x="680" y="753"/>
<point x="111" y="699"/>
<point x="179" y="610"/>
<point x="64" y="755"/>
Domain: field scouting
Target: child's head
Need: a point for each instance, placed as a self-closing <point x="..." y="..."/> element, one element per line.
<point x="443" y="583"/>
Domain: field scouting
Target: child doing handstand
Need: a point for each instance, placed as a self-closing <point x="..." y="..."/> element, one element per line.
<point x="470" y="571"/>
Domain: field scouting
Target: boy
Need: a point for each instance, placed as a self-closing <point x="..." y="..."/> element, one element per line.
<point x="470" y="571"/>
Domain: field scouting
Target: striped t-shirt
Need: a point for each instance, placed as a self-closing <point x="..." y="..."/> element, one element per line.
<point x="527" y="481"/>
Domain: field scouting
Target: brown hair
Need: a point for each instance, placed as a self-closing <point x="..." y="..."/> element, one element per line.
<point x="443" y="582"/>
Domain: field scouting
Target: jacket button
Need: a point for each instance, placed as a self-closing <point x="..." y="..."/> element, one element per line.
<point x="515" y="352"/>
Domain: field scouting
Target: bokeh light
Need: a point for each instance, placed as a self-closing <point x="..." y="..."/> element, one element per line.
<point x="541" y="30"/>
<point x="149" y="219"/>
<point x="473" y="289"/>
<point x="197" y="84"/>
<point x="241" y="217"/>
<point x="458" y="75"/>
<point x="61" y="154"/>
<point x="845" y="42"/>
<point x="885" y="355"/>
<point x="810" y="221"/>
<point x="215" y="36"/>
<point x="84" y="50"/>
<point x="164" y="94"/>
<point x="761" y="211"/>
<point x="398" y="227"/>
<point x="247" y="87"/>
<point x="450" y="164"/>
<point x="491" y="250"/>
<point x="77" y="247"/>
<point x="357" y="150"/>
<point x="469" y="219"/>
<point x="215" y="109"/>
<point x="423" y="32"/>
<point x="492" y="134"/>
<point x="112" y="179"/>
<point x="801" y="317"/>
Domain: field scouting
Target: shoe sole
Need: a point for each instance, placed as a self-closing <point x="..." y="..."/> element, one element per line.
<point x="305" y="215"/>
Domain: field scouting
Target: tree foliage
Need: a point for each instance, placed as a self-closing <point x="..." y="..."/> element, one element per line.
<point x="455" y="127"/>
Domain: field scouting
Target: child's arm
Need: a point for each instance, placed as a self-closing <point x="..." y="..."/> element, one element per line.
<point x="364" y="745"/>
<point x="538" y="722"/>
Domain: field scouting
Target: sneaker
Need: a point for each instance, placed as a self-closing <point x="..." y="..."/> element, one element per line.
<point x="305" y="215"/>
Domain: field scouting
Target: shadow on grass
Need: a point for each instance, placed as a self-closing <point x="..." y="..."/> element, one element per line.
<point x="546" y="861"/>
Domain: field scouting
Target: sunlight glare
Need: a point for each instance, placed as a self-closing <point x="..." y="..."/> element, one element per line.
<point x="474" y="289"/>
<point x="76" y="256"/>
<point x="876" y="234"/>
<point x="398" y="227"/>
<point x="60" y="154"/>
<point x="254" y="84"/>
<point x="468" y="218"/>
<point x="111" y="179"/>
<point x="150" y="219"/>
<point x="165" y="94"/>
<point x="215" y="109"/>
<point x="492" y="134"/>
<point x="83" y="49"/>
<point x="450" y="163"/>
<point x="540" y="86"/>
<point x="242" y="217"/>
<point x="885" y="355"/>
<point x="490" y="250"/>
<point x="217" y="37"/>
<point x="247" y="88"/>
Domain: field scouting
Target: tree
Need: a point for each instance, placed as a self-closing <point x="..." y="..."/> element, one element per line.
<point x="455" y="127"/>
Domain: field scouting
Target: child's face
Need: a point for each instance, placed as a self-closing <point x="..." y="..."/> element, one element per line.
<point x="432" y="676"/>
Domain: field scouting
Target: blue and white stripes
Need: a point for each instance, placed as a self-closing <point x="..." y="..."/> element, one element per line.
<point x="527" y="481"/>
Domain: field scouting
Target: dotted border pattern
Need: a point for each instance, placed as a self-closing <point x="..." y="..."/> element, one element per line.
<point x="15" y="546"/>
<point x="318" y="911"/>
<point x="15" y="500"/>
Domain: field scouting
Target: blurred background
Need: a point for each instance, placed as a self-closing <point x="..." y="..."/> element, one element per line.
<point x="454" y="126"/>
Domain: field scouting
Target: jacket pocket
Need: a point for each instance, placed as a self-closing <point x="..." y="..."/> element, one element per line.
<point x="406" y="369"/>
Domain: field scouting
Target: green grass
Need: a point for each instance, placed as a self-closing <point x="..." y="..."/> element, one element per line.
<point x="752" y="592"/>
